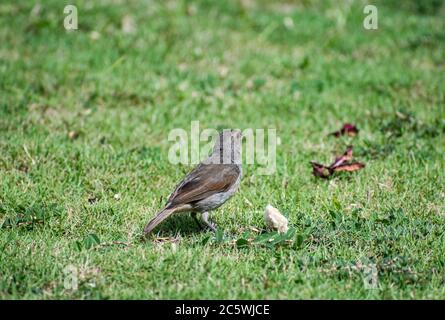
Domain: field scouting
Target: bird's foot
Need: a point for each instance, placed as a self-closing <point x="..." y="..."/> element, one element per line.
<point x="210" y="225"/>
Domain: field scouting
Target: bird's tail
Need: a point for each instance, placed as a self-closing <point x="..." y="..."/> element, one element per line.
<point x="161" y="216"/>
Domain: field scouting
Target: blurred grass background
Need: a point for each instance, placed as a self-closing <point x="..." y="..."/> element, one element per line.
<point x="84" y="120"/>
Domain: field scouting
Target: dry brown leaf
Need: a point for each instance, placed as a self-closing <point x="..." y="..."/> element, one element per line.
<point x="349" y="167"/>
<point x="342" y="163"/>
<point x="320" y="170"/>
<point x="347" y="129"/>
<point x="346" y="156"/>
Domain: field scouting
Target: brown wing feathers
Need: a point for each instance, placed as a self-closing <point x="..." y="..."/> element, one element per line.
<point x="202" y="183"/>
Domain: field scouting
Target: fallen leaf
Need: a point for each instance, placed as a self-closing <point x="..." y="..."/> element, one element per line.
<point x="350" y="167"/>
<point x="348" y="129"/>
<point x="346" y="156"/>
<point x="341" y="163"/>
<point x="320" y="170"/>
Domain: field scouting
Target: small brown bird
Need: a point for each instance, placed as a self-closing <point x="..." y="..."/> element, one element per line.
<point x="209" y="185"/>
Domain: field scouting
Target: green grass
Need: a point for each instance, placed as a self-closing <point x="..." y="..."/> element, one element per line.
<point x="123" y="93"/>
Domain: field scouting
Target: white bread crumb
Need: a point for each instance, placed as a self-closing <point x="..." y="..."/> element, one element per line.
<point x="275" y="220"/>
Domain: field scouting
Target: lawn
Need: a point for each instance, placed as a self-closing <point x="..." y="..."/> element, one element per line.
<point x="84" y="121"/>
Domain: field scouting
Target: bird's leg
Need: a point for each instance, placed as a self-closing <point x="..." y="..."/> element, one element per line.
<point x="194" y="216"/>
<point x="205" y="218"/>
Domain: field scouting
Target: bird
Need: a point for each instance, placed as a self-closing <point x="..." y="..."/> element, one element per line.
<point x="214" y="181"/>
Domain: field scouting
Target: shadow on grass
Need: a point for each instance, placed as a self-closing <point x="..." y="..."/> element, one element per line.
<point x="182" y="223"/>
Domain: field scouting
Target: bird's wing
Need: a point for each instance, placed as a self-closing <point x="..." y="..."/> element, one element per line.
<point x="204" y="181"/>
